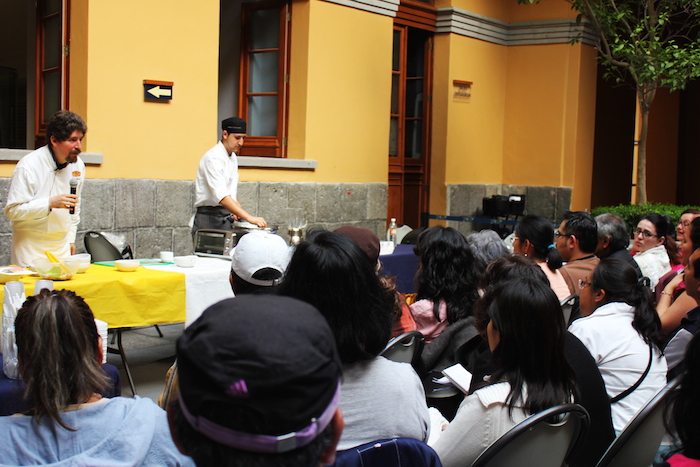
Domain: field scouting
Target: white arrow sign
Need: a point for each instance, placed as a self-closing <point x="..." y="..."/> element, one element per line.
<point x="157" y="92"/>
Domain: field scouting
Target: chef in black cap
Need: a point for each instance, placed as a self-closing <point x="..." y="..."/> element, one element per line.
<point x="216" y="184"/>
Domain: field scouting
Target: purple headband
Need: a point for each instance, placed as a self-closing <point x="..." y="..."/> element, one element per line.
<point x="262" y="443"/>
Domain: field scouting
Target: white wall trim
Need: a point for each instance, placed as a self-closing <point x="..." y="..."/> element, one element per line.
<point x="470" y="24"/>
<point x="14" y="155"/>
<point x="251" y="162"/>
<point x="382" y="7"/>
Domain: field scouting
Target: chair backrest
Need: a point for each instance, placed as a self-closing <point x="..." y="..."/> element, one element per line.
<point x="100" y="248"/>
<point x="397" y="452"/>
<point x="639" y="441"/>
<point x="537" y="442"/>
<point x="405" y="348"/>
<point x="567" y="305"/>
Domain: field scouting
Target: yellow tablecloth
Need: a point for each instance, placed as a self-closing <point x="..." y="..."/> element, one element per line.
<point x="125" y="299"/>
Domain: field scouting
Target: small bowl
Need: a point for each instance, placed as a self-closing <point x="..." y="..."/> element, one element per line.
<point x="185" y="261"/>
<point x="127" y="265"/>
<point x="85" y="259"/>
<point x="50" y="270"/>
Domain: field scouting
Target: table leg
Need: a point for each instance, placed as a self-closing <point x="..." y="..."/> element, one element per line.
<point x="120" y="351"/>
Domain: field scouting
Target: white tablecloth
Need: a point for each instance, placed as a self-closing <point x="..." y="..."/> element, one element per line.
<point x="205" y="284"/>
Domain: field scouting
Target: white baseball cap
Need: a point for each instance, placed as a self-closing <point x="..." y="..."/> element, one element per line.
<point x="259" y="250"/>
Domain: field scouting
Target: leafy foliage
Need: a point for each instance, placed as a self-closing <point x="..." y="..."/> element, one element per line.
<point x="631" y="213"/>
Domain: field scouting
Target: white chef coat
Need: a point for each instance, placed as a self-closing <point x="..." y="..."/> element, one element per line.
<point x="35" y="227"/>
<point x="622" y="356"/>
<point x="217" y="177"/>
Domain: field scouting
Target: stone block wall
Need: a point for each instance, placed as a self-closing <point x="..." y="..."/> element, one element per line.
<point x="467" y="200"/>
<point x="154" y="215"/>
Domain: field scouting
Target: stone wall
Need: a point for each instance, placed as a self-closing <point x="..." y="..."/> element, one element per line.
<point x="153" y="215"/>
<point x="467" y="200"/>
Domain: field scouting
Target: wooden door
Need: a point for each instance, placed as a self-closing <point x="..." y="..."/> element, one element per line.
<point x="409" y="141"/>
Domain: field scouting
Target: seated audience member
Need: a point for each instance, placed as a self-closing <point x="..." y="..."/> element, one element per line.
<point x="380" y="398"/>
<point x="576" y="241"/>
<point x="622" y="331"/>
<point x="60" y="354"/>
<point x="534" y="238"/>
<point x="486" y="246"/>
<point x="690" y="325"/>
<point x="447" y="278"/>
<point x="369" y="242"/>
<point x="682" y="418"/>
<point x="589" y="383"/>
<point x="520" y="314"/>
<point x="613" y="240"/>
<point x="673" y="303"/>
<point x="687" y="217"/>
<point x="258" y="263"/>
<point x="654" y="250"/>
<point x="259" y="385"/>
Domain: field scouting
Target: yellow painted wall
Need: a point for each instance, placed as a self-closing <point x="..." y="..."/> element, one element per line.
<point x="340" y="89"/>
<point x="530" y="119"/>
<point x="118" y="45"/>
<point x="510" y="11"/>
<point x="535" y="124"/>
<point x="475" y="128"/>
<point x="78" y="60"/>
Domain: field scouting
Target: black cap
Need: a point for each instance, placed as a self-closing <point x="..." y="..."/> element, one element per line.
<point x="234" y="125"/>
<point x="259" y="364"/>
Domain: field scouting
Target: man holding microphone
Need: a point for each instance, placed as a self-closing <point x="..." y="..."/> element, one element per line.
<point x="43" y="203"/>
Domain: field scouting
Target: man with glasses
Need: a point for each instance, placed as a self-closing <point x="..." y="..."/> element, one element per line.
<point x="576" y="240"/>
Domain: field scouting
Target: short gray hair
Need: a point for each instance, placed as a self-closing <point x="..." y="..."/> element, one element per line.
<point x="486" y="246"/>
<point x="610" y="225"/>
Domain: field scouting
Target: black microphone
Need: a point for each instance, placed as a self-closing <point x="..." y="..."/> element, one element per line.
<point x="73" y="190"/>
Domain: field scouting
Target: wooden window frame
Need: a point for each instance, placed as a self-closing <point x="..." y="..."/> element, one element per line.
<point x="40" y="119"/>
<point x="267" y="146"/>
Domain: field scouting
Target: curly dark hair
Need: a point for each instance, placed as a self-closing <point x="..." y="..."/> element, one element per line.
<point x="62" y="124"/>
<point x="447" y="271"/>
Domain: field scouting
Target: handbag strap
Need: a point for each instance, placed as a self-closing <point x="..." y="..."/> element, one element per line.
<point x="631" y="389"/>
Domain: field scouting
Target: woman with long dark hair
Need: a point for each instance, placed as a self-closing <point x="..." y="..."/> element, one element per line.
<point x="60" y="353"/>
<point x="654" y="249"/>
<point x="447" y="280"/>
<point x="379" y="398"/>
<point x="525" y="331"/>
<point x="622" y="330"/>
<point x="534" y="238"/>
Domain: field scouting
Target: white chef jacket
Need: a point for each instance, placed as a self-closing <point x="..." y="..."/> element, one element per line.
<point x="35" y="227"/>
<point x="622" y="356"/>
<point x="217" y="177"/>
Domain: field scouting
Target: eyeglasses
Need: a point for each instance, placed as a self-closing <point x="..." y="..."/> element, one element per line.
<point x="558" y="234"/>
<point x="583" y="283"/>
<point x="644" y="233"/>
<point x="685" y="224"/>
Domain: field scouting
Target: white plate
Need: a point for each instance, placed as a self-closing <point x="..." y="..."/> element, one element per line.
<point x="13" y="273"/>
